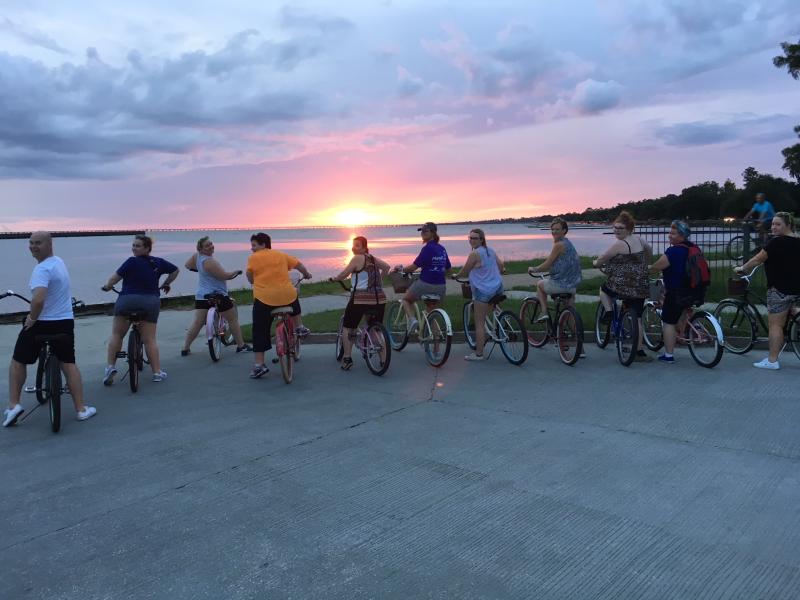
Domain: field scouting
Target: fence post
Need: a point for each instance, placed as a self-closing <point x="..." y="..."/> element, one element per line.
<point x="746" y="229"/>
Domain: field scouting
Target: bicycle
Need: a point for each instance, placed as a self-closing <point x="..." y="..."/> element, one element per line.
<point x="624" y="328"/>
<point x="562" y="324"/>
<point x="287" y="341"/>
<point x="373" y="342"/>
<point x="135" y="352"/>
<point x="218" y="330"/>
<point x="434" y="329"/>
<point x="741" y="319"/>
<point x="754" y="239"/>
<point x="49" y="386"/>
<point x="503" y="327"/>
<point x="702" y="333"/>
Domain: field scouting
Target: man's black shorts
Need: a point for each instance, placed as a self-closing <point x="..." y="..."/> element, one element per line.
<point x="26" y="350"/>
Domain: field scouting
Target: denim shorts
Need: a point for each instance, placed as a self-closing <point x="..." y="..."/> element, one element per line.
<point x="481" y="296"/>
<point x="778" y="302"/>
<point x="148" y="306"/>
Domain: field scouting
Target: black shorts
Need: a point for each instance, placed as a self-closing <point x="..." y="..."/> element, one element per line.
<point x="678" y="300"/>
<point x="353" y="313"/>
<point x="226" y="303"/>
<point x="26" y="350"/>
<point x="635" y="304"/>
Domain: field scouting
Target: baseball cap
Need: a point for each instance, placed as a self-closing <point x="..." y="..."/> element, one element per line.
<point x="428" y="227"/>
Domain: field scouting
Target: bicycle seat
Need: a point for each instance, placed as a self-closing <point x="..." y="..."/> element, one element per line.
<point x="431" y="297"/>
<point x="497" y="299"/>
<point x="281" y="310"/>
<point x="214" y="296"/>
<point x="50" y="337"/>
<point x="562" y="296"/>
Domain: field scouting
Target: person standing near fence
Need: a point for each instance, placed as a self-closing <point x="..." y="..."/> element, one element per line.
<point x="781" y="260"/>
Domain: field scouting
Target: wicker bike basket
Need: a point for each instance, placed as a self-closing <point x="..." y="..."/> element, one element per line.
<point x="399" y="281"/>
<point x="737" y="287"/>
<point x="466" y="291"/>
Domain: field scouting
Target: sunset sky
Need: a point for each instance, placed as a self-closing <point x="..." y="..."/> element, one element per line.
<point x="194" y="114"/>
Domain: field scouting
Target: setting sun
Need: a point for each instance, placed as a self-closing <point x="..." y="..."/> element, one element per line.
<point x="350" y="216"/>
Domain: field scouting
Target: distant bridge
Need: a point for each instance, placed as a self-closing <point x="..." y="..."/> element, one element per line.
<point x="24" y="235"/>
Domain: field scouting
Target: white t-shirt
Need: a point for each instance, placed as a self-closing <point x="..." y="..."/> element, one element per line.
<point x="52" y="274"/>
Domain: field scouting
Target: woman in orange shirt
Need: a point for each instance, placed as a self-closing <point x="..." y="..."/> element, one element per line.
<point x="268" y="271"/>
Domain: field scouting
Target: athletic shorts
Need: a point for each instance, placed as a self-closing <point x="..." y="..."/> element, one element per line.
<point x="419" y="288"/>
<point x="225" y="304"/>
<point x="678" y="300"/>
<point x="146" y="305"/>
<point x="778" y="302"/>
<point x="353" y="313"/>
<point x="635" y="304"/>
<point x="26" y="350"/>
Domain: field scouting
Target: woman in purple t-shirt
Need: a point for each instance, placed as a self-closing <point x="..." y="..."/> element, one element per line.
<point x="434" y="264"/>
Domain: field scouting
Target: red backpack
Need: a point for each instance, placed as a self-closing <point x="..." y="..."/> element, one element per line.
<point x="698" y="274"/>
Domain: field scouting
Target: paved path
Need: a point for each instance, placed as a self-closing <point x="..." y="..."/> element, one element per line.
<point x="474" y="481"/>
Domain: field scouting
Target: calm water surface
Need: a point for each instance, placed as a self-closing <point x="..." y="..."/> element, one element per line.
<point x="91" y="260"/>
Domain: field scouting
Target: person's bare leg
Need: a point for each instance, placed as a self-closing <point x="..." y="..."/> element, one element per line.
<point x="542" y="295"/>
<point x="232" y="316"/>
<point x="481" y="308"/>
<point x="408" y="305"/>
<point x="17" y="373"/>
<point x="605" y="299"/>
<point x="776" y="322"/>
<point x="148" y="331"/>
<point x="669" y="337"/>
<point x="119" y="328"/>
<point x="347" y="342"/>
<point x="75" y="384"/>
<point x="199" y="321"/>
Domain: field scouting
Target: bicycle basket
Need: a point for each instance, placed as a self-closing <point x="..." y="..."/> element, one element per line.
<point x="466" y="291"/>
<point x="656" y="293"/>
<point x="737" y="287"/>
<point x="400" y="282"/>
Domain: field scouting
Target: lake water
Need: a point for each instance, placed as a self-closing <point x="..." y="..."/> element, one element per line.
<point x="324" y="251"/>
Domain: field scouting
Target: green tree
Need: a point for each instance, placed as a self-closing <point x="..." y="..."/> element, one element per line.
<point x="791" y="60"/>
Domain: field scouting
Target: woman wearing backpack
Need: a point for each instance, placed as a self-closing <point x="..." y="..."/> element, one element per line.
<point x="366" y="296"/>
<point x="780" y="261"/>
<point x="679" y="292"/>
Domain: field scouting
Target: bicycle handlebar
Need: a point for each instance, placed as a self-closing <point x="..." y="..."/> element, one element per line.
<point x="15" y="294"/>
<point x="749" y="275"/>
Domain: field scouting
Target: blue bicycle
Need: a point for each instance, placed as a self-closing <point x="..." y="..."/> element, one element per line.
<point x="624" y="328"/>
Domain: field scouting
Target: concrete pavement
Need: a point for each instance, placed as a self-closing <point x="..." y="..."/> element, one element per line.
<point x="473" y="481"/>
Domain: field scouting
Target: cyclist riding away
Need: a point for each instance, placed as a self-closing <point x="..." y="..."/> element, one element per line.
<point x="50" y="314"/>
<point x="140" y="276"/>
<point x="212" y="279"/>
<point x="679" y="295"/>
<point x="366" y="293"/>
<point x="268" y="271"/>
<point x="434" y="264"/>
<point x="484" y="268"/>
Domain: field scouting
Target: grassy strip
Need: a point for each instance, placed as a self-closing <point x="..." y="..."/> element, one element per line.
<point x="328" y="321"/>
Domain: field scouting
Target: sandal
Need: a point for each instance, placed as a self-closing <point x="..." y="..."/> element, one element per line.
<point x="185" y="352"/>
<point x="347" y="363"/>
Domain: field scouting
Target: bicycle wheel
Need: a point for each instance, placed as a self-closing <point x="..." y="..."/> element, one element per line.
<point x="537" y="330"/>
<point x="297" y="345"/>
<point x="736" y="247"/>
<point x="41" y="392"/>
<point x="52" y="377"/>
<point x="397" y="326"/>
<point x="627" y="337"/>
<point x="602" y="331"/>
<point x="436" y="339"/>
<point x="739" y="328"/>
<point x="377" y="349"/>
<point x="468" y="315"/>
<point x="569" y="335"/>
<point x="339" y="340"/>
<point x="794" y="335"/>
<point x="286" y="356"/>
<point x="513" y="338"/>
<point x="652" y="332"/>
<point x="225" y="333"/>
<point x="134" y="358"/>
<point x="704" y="339"/>
<point x="215" y="342"/>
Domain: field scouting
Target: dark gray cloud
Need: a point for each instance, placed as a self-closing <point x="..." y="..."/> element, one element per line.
<point x="32" y="36"/>
<point x="738" y="128"/>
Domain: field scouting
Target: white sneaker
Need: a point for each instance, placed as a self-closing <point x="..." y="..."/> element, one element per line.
<point x="160" y="376"/>
<point x="412" y="324"/>
<point x="87" y="413"/>
<point x="474" y="357"/>
<point x="766" y="364"/>
<point x="10" y="415"/>
<point x="108" y="376"/>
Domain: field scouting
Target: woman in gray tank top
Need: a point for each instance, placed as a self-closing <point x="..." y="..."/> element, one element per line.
<point x="211" y="279"/>
<point x="563" y="263"/>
